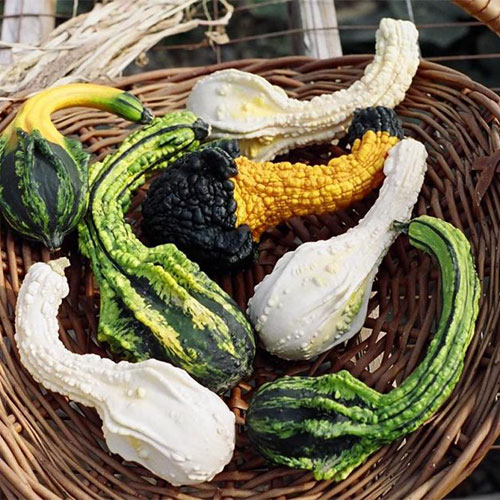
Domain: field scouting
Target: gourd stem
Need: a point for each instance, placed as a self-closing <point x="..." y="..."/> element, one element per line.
<point x="59" y="265"/>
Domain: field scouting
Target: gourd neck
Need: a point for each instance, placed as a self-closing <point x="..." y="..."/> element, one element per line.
<point x="85" y="378"/>
<point x="432" y="381"/>
<point x="35" y="113"/>
<point x="398" y="193"/>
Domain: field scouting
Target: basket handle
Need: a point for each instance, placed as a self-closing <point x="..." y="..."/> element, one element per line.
<point x="486" y="11"/>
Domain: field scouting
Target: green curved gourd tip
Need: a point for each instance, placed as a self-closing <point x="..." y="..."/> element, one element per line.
<point x="333" y="423"/>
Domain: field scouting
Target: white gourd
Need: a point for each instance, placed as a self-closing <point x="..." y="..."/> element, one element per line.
<point x="317" y="296"/>
<point x="267" y="122"/>
<point x="152" y="412"/>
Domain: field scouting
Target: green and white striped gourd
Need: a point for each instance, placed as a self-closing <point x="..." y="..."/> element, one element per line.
<point x="155" y="302"/>
<point x="333" y="423"/>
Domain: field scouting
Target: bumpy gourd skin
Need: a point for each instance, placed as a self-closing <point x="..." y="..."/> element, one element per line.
<point x="333" y="423"/>
<point x="215" y="206"/>
<point x="155" y="302"/>
<point x="43" y="175"/>
<point x="245" y="106"/>
<point x="193" y="206"/>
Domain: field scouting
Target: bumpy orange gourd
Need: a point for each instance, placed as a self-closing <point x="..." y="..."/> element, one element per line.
<point x="215" y="205"/>
<point x="268" y="193"/>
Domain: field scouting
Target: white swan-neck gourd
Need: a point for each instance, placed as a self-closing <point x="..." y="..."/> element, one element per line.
<point x="317" y="296"/>
<point x="153" y="413"/>
<point x="267" y="122"/>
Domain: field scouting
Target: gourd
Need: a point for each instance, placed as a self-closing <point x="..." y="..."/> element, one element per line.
<point x="43" y="175"/>
<point x="332" y="423"/>
<point x="215" y="207"/>
<point x="155" y="302"/>
<point x="317" y="296"/>
<point x="267" y="122"/>
<point x="147" y="408"/>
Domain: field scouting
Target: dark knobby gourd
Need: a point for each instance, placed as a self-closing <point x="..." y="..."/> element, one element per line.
<point x="155" y="302"/>
<point x="215" y="205"/>
<point x="43" y="175"/>
<point x="332" y="423"/>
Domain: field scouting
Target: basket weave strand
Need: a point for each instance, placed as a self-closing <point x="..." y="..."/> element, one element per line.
<point x="51" y="448"/>
<point x="486" y="11"/>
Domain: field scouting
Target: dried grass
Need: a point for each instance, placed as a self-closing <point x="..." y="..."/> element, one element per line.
<point x="101" y="43"/>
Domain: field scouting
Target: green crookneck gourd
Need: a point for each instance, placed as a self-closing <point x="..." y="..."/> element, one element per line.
<point x="43" y="175"/>
<point x="155" y="302"/>
<point x="316" y="296"/>
<point x="332" y="423"/>
<point x="266" y="122"/>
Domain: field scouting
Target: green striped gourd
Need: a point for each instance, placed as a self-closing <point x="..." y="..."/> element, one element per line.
<point x="155" y="302"/>
<point x="43" y="175"/>
<point x="332" y="423"/>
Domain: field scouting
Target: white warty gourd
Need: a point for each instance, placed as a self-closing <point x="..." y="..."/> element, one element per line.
<point x="266" y="122"/>
<point x="317" y="296"/>
<point x="152" y="412"/>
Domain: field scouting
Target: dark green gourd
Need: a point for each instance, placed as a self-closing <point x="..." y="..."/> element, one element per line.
<point x="333" y="423"/>
<point x="155" y="302"/>
<point x="43" y="175"/>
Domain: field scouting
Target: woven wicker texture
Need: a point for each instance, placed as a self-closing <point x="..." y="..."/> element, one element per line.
<point x="486" y="11"/>
<point x="51" y="448"/>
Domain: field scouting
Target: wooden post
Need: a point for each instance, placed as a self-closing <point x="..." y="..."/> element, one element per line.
<point x="316" y="15"/>
<point x="32" y="21"/>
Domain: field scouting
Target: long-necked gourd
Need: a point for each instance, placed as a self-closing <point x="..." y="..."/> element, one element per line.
<point x="155" y="302"/>
<point x="267" y="122"/>
<point x="332" y="423"/>
<point x="152" y="413"/>
<point x="215" y="207"/>
<point x="43" y="175"/>
<point x="317" y="296"/>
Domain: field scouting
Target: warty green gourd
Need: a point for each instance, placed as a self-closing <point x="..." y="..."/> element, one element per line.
<point x="155" y="302"/>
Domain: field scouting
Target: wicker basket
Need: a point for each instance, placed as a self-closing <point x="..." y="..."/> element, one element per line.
<point x="52" y="448"/>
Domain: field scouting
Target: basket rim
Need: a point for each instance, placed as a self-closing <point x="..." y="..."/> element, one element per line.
<point x="303" y="63"/>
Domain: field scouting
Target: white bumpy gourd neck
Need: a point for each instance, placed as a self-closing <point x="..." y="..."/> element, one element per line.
<point x="153" y="413"/>
<point x="317" y="295"/>
<point x="246" y="106"/>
